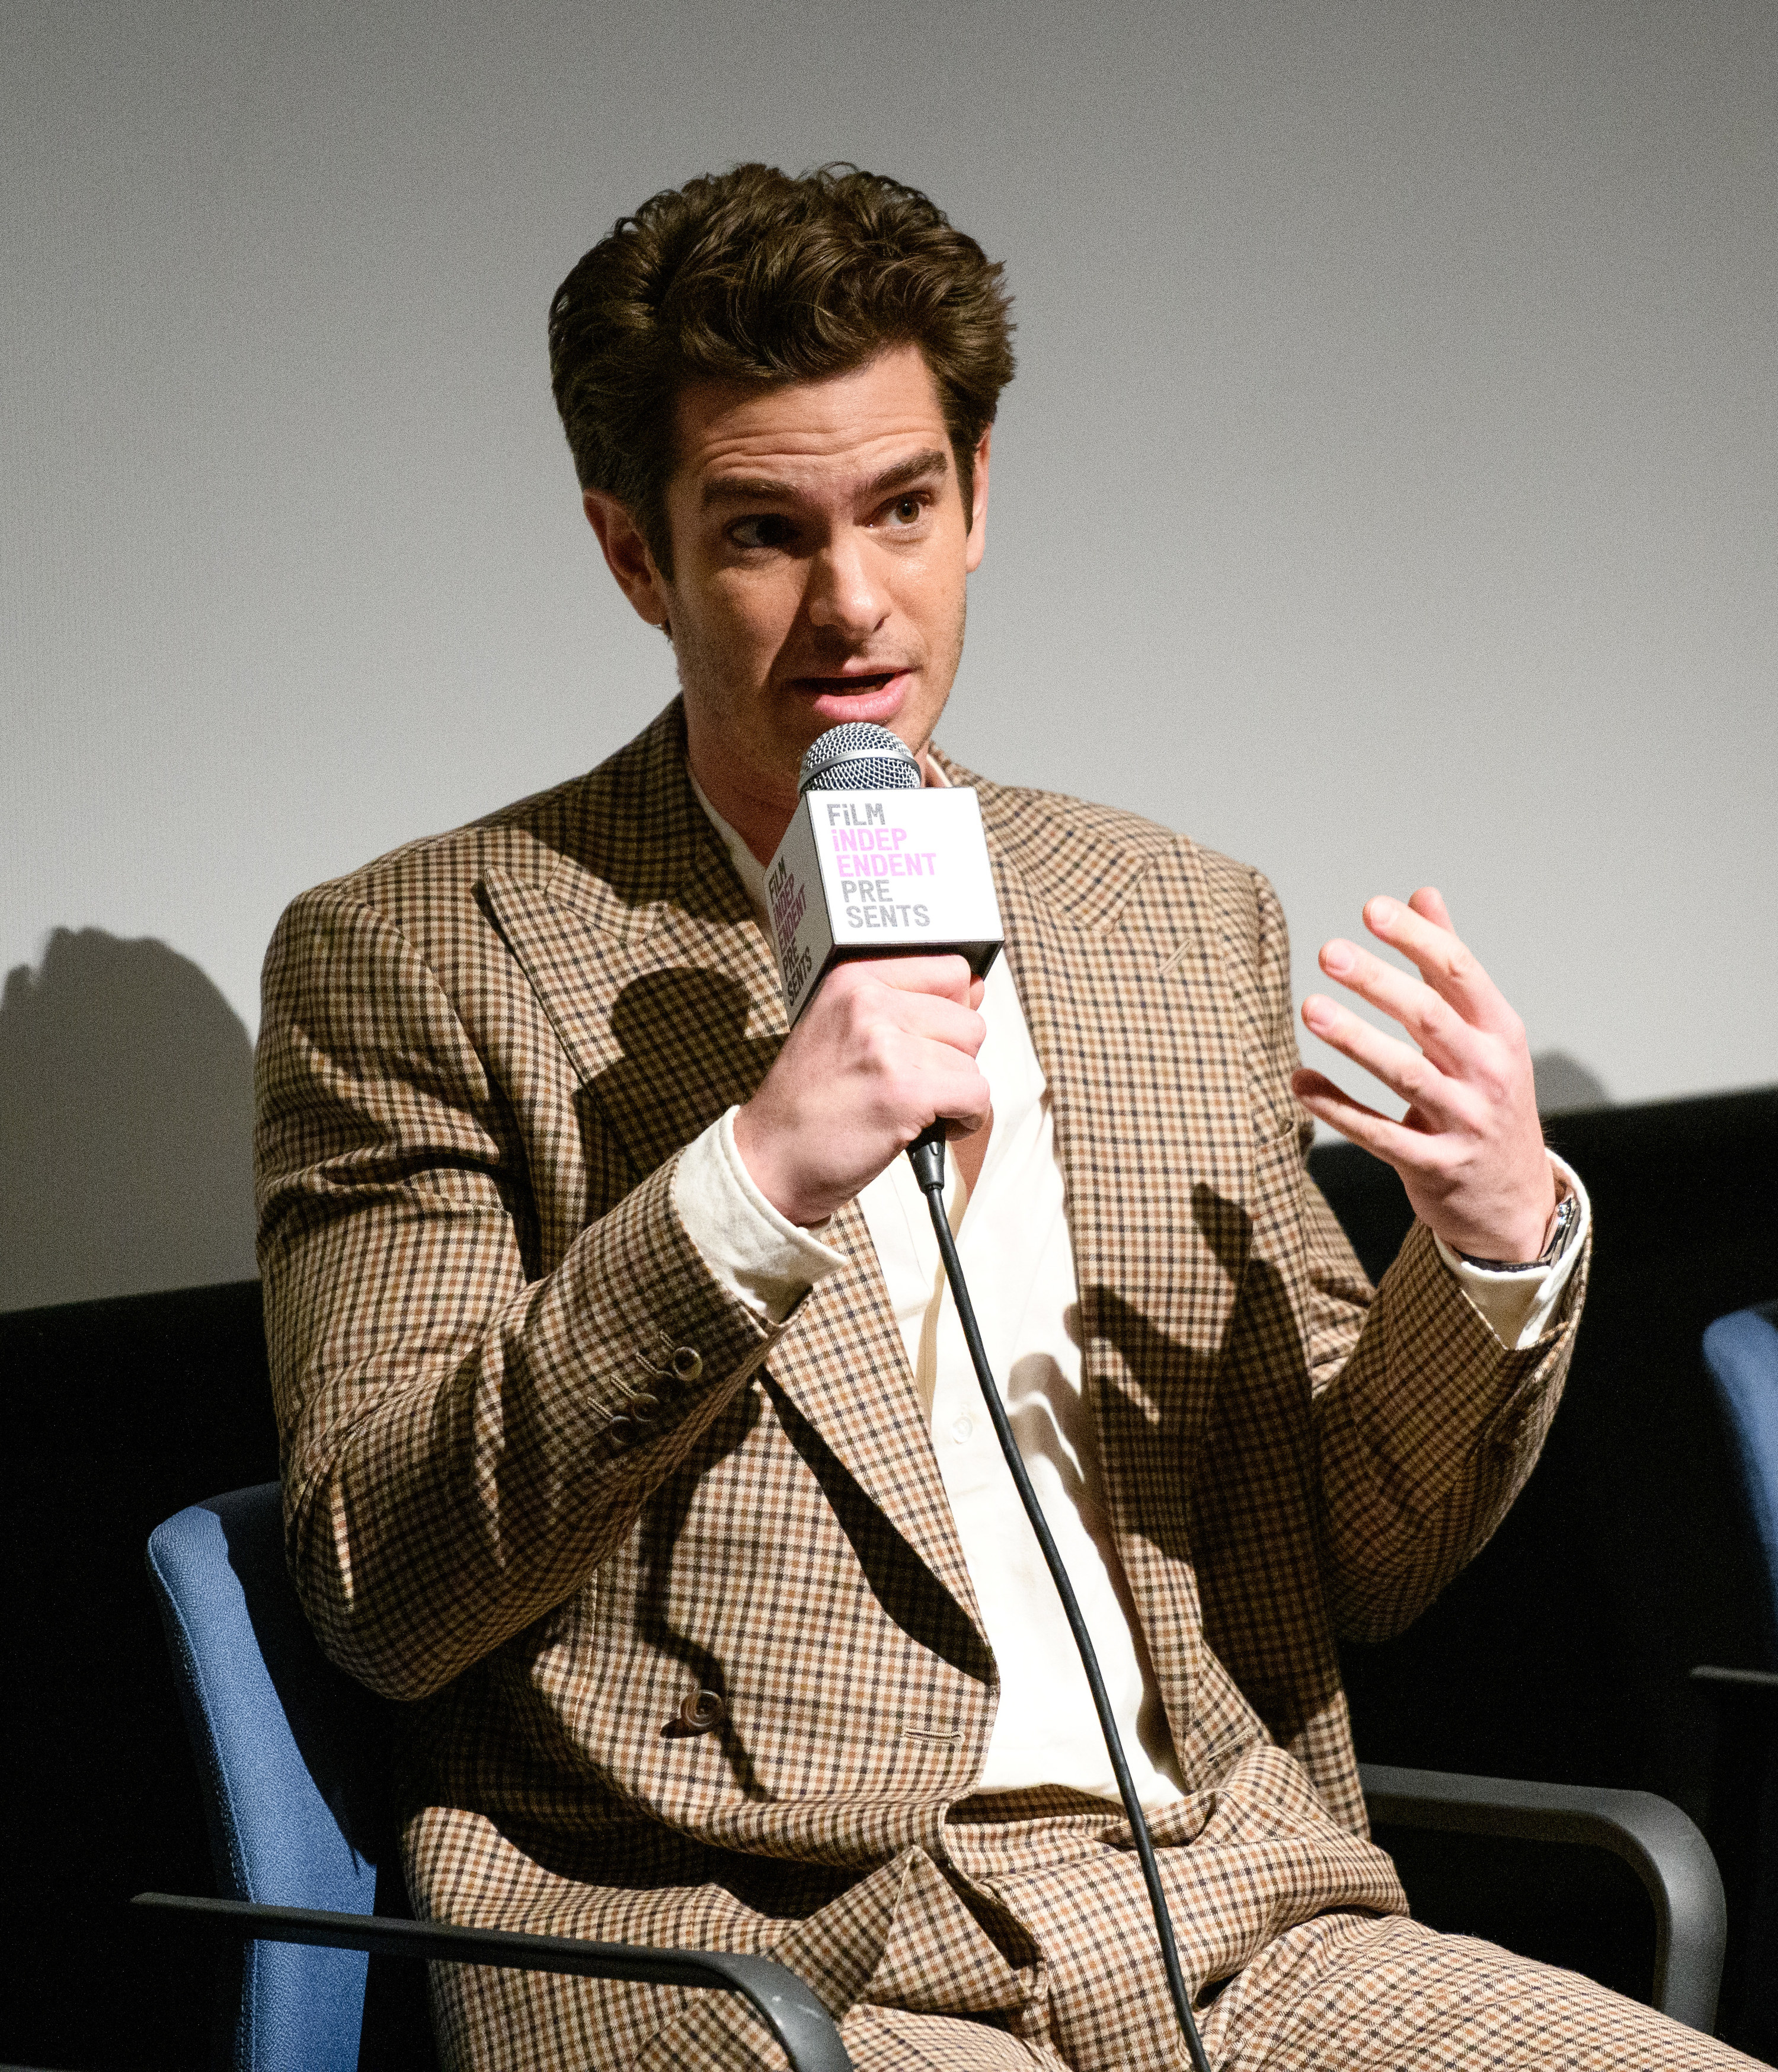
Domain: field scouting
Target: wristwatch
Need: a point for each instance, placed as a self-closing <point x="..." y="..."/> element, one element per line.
<point x="1562" y="1226"/>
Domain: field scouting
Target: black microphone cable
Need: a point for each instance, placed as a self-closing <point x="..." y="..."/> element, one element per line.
<point x="926" y="1154"/>
<point x="859" y="756"/>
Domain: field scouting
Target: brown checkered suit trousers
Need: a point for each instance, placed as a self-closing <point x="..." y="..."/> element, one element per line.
<point x="546" y="1481"/>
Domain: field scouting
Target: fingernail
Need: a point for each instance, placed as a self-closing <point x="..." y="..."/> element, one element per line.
<point x="1337" y="959"/>
<point x="1318" y="1010"/>
<point x="1380" y="913"/>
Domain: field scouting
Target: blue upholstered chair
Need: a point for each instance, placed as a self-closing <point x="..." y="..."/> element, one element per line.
<point x="292" y="1759"/>
<point x="1741" y="1358"/>
<point x="1741" y="1354"/>
<point x="291" y="1756"/>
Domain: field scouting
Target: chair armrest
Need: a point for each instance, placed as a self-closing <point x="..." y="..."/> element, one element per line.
<point x="1657" y="1841"/>
<point x="1754" y="1687"/>
<point x="802" y="2025"/>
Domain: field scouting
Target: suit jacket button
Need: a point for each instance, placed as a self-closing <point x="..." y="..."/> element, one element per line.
<point x="687" y="1363"/>
<point x="701" y="1712"/>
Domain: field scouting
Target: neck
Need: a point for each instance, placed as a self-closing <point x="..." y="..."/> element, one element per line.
<point x="759" y="814"/>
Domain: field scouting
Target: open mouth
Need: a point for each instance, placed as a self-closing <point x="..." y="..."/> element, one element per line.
<point x="876" y="698"/>
<point x="844" y="687"/>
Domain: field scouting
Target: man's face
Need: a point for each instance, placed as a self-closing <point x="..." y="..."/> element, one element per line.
<point x="820" y="551"/>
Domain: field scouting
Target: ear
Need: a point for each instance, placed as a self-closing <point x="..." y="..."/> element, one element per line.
<point x="627" y="557"/>
<point x="978" y="506"/>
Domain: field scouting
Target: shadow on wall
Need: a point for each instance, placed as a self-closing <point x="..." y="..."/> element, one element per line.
<point x="1566" y="1085"/>
<point x="126" y="1107"/>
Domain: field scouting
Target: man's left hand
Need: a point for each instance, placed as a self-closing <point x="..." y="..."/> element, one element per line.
<point x="1470" y="1147"/>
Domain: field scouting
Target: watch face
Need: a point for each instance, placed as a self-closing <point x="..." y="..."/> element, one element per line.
<point x="1567" y="1215"/>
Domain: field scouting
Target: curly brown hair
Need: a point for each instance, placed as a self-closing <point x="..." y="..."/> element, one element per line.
<point x="751" y="276"/>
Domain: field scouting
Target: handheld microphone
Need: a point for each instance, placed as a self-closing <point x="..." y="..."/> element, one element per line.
<point x="873" y="863"/>
<point x="865" y="819"/>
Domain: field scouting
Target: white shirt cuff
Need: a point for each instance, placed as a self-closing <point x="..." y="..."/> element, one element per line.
<point x="756" y="1254"/>
<point x="1517" y="1306"/>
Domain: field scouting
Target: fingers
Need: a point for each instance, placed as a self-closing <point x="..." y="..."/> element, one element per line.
<point x="874" y="1061"/>
<point x="1411" y="1074"/>
<point x="933" y="997"/>
<point x="949" y="977"/>
<point x="1400" y="1143"/>
<point x="933" y="1021"/>
<point x="1470" y="1149"/>
<point x="959" y="1096"/>
<point x="916" y="1043"/>
<point x="1433" y="1023"/>
<point x="1429" y="901"/>
<point x="959" y="1132"/>
<point x="1421" y="930"/>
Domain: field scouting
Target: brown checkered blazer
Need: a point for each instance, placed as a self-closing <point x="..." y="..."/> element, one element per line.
<point x="546" y="1481"/>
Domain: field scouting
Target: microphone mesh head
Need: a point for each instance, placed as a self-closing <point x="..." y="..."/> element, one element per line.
<point x="859" y="757"/>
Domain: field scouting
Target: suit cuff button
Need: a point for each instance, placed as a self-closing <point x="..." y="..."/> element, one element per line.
<point x="687" y="1363"/>
<point x="701" y="1712"/>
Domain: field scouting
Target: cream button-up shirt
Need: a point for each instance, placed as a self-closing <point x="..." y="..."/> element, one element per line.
<point x="1012" y="1240"/>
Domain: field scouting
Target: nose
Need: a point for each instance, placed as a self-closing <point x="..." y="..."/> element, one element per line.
<point x="843" y="592"/>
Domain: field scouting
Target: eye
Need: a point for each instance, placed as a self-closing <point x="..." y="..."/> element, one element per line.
<point x="767" y="530"/>
<point x="907" y="510"/>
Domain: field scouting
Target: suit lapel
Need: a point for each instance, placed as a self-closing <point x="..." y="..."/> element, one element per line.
<point x="660" y="986"/>
<point x="848" y="1375"/>
<point x="664" y="1029"/>
<point x="1114" y="952"/>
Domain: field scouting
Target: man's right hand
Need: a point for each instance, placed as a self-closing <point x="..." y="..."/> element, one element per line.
<point x="883" y="1049"/>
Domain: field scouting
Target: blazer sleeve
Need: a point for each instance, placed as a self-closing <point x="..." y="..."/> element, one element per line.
<point x="463" y="1440"/>
<point x="1425" y="1425"/>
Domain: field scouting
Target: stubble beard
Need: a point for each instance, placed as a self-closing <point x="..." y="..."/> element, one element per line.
<point x="704" y="687"/>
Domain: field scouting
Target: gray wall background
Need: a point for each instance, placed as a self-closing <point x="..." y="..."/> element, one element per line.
<point x="1387" y="493"/>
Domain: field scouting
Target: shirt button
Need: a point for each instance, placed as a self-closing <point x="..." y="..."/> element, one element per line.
<point x="687" y="1363"/>
<point x="963" y="1430"/>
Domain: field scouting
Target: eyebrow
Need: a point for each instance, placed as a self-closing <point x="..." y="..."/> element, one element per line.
<point x="763" y="489"/>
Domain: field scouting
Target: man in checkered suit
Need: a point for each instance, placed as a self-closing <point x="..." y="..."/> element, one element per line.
<point x="610" y="1391"/>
